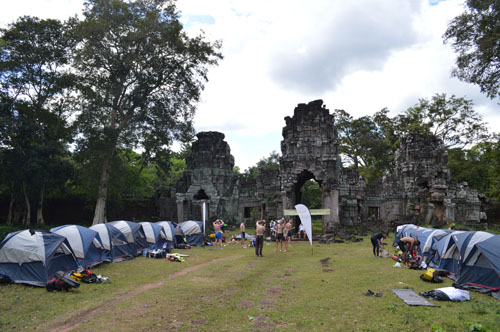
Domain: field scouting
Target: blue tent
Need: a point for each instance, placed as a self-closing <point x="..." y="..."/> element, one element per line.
<point x="132" y="231"/>
<point x="114" y="242"/>
<point x="428" y="242"/>
<point x="154" y="236"/>
<point x="169" y="229"/>
<point x="85" y="243"/>
<point x="404" y="230"/>
<point x="193" y="231"/>
<point x="480" y="262"/>
<point x="33" y="257"/>
<point x="409" y="230"/>
<point x="447" y="256"/>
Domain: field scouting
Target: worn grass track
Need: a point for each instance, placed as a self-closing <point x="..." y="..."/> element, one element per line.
<point x="232" y="290"/>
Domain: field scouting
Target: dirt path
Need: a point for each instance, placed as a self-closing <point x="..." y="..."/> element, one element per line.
<point x="74" y="322"/>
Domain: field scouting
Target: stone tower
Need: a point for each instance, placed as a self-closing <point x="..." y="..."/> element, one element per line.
<point x="208" y="178"/>
<point x="310" y="150"/>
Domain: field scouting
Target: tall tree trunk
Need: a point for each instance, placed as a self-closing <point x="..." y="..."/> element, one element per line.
<point x="102" y="194"/>
<point x="39" y="211"/>
<point x="27" y="218"/>
<point x="11" y="207"/>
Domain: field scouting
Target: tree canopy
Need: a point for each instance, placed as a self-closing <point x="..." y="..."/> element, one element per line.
<point x="34" y="77"/>
<point x="369" y="142"/>
<point x="475" y="37"/>
<point x="140" y="76"/>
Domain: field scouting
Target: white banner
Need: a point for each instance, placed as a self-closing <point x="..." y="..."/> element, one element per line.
<point x="204" y="209"/>
<point x="305" y="218"/>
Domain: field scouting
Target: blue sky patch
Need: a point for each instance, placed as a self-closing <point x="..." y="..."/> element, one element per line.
<point x="435" y="2"/>
<point x="190" y="20"/>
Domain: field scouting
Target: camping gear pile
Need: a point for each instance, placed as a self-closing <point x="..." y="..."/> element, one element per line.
<point x="37" y="257"/>
<point x="470" y="258"/>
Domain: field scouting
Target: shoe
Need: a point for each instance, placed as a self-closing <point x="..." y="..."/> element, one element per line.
<point x="369" y="293"/>
<point x="379" y="294"/>
<point x="261" y="255"/>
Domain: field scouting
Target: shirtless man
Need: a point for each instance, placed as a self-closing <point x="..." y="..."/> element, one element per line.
<point x="218" y="234"/>
<point x="260" y="228"/>
<point x="242" y="231"/>
<point x="406" y="244"/>
<point x="288" y="234"/>
<point x="279" y="234"/>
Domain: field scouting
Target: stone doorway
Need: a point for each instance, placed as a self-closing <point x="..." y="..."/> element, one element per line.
<point x="310" y="150"/>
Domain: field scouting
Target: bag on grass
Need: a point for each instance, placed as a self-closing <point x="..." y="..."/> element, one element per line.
<point x="56" y="285"/>
<point x="90" y="279"/>
<point x="61" y="282"/>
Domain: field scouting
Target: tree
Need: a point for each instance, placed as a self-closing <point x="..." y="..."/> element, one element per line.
<point x="140" y="77"/>
<point x="34" y="55"/>
<point x="451" y="119"/>
<point x="364" y="142"/>
<point x="311" y="195"/>
<point x="272" y="162"/>
<point x="478" y="166"/>
<point x="475" y="37"/>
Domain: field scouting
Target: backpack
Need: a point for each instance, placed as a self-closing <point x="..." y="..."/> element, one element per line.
<point x="57" y="285"/>
<point x="61" y="282"/>
<point x="90" y="279"/>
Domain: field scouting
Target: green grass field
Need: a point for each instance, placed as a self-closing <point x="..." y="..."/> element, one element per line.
<point x="233" y="290"/>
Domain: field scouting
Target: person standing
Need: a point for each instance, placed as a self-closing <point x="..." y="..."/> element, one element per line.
<point x="242" y="231"/>
<point x="279" y="234"/>
<point x="259" y="237"/>
<point x="302" y="232"/>
<point x="288" y="234"/>
<point x="218" y="234"/>
<point x="377" y="242"/>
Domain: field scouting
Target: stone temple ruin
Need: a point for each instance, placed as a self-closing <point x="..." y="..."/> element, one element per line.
<point x="419" y="190"/>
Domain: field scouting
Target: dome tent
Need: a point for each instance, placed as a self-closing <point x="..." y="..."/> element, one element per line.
<point x="132" y="232"/>
<point x="447" y="255"/>
<point x="193" y="231"/>
<point x="114" y="242"/>
<point x="480" y="262"/>
<point x="85" y="243"/>
<point x="33" y="257"/>
<point x="169" y="230"/>
<point x="154" y="236"/>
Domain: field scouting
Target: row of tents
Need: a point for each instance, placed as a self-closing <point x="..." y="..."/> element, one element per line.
<point x="470" y="258"/>
<point x="34" y="256"/>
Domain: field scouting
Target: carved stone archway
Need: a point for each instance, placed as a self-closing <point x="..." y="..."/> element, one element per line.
<point x="310" y="149"/>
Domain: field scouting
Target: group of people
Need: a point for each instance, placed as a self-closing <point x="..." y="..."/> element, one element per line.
<point x="283" y="229"/>
<point x="284" y="234"/>
<point x="406" y="244"/>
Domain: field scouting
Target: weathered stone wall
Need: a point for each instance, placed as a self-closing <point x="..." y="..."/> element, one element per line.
<point x="208" y="179"/>
<point x="310" y="149"/>
<point x="419" y="190"/>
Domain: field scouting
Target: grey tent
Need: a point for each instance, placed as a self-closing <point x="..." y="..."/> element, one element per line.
<point x="33" y="257"/>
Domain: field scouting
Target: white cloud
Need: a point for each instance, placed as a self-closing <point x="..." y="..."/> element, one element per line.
<point x="360" y="56"/>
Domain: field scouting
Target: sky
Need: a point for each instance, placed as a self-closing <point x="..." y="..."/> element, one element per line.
<point x="360" y="56"/>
